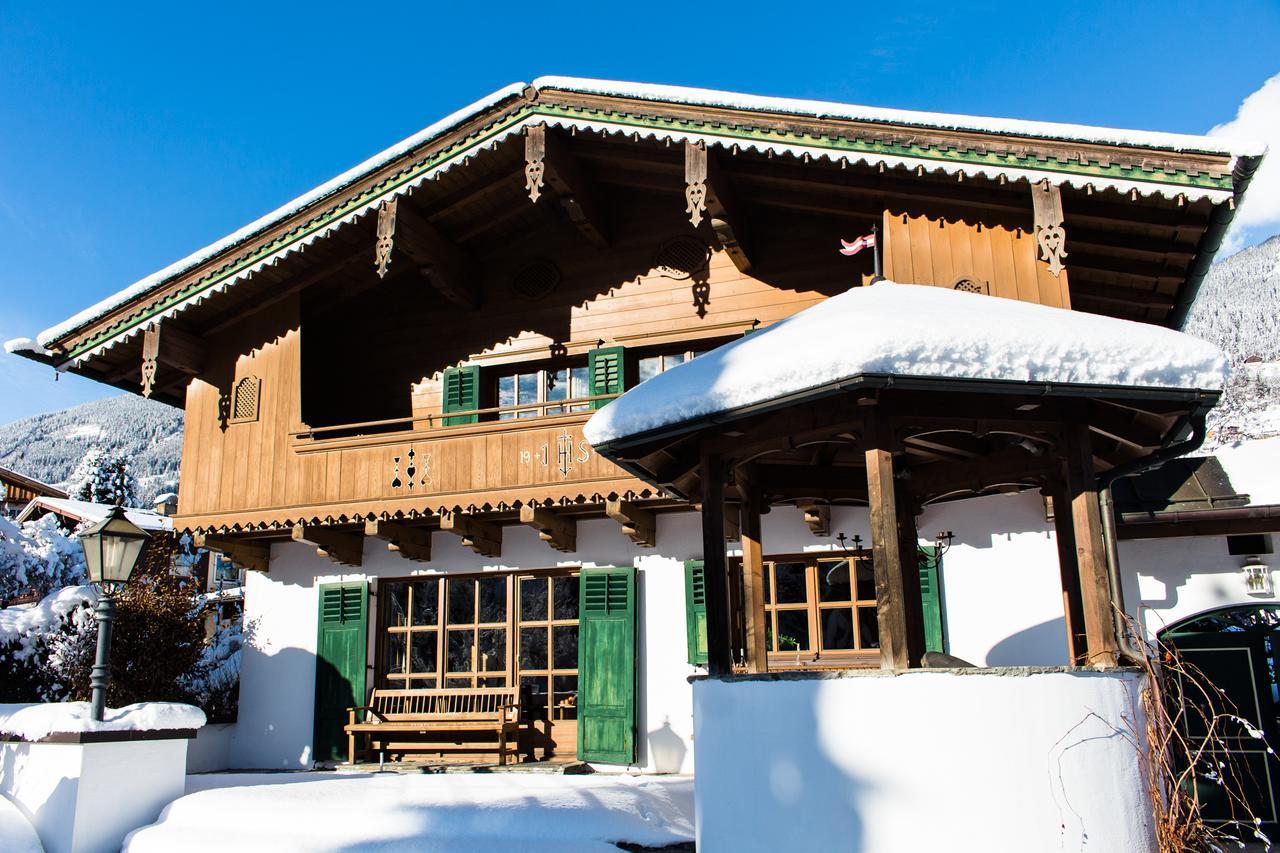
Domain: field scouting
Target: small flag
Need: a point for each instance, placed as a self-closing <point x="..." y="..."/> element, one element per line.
<point x="864" y="242"/>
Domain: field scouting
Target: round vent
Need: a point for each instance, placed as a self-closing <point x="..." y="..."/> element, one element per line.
<point x="536" y="280"/>
<point x="968" y="285"/>
<point x="681" y="257"/>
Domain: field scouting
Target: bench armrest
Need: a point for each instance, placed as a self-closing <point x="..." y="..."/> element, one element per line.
<point x="369" y="711"/>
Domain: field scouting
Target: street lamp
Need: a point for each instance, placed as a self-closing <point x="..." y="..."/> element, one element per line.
<point x="111" y="550"/>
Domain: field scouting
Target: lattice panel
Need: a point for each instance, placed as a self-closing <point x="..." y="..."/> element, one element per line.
<point x="680" y="258"/>
<point x="536" y="280"/>
<point x="244" y="400"/>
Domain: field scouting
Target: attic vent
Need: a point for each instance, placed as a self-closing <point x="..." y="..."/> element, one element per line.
<point x="969" y="285"/>
<point x="244" y="400"/>
<point x="680" y="257"/>
<point x="536" y="280"/>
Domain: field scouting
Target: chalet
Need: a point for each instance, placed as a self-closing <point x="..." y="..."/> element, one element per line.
<point x="17" y="490"/>
<point x="797" y="479"/>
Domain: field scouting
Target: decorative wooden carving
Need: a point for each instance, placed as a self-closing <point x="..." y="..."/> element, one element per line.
<point x="681" y="257"/>
<point x="557" y="531"/>
<point x="535" y="167"/>
<point x="1051" y="238"/>
<point x="483" y="537"/>
<point x="411" y="471"/>
<point x="251" y="555"/>
<point x="244" y="400"/>
<point x="639" y="524"/>
<point x="818" y="517"/>
<point x="150" y="354"/>
<point x="695" y="181"/>
<point x="412" y="543"/>
<point x="972" y="285"/>
<point x="343" y="548"/>
<point x="386" y="233"/>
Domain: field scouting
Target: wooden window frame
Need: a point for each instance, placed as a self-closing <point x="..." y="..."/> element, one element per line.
<point x="256" y="381"/>
<point x="540" y="408"/>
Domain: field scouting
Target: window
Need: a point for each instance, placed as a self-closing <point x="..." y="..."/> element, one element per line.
<point x="651" y="365"/>
<point x="548" y="658"/>
<point x="820" y="608"/>
<point x="543" y="391"/>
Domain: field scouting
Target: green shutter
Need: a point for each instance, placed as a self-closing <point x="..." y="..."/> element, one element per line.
<point x="460" y="392"/>
<point x="607" y="366"/>
<point x="607" y="665"/>
<point x="695" y="610"/>
<point x="340" y="663"/>
<point x="931" y="599"/>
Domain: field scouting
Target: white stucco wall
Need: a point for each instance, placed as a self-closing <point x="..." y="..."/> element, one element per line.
<point x="924" y="761"/>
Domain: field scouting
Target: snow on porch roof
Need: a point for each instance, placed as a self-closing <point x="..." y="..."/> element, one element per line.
<point x="1182" y="143"/>
<point x="917" y="331"/>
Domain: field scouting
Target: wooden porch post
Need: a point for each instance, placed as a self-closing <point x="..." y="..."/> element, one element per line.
<point x="1069" y="570"/>
<point x="886" y="548"/>
<point x="716" y="576"/>
<point x="753" y="573"/>
<point x="1090" y="551"/>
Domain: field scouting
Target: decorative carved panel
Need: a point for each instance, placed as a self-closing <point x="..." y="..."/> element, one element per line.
<point x="971" y="285"/>
<point x="695" y="181"/>
<point x="1051" y="238"/>
<point x="386" y="233"/>
<point x="535" y="152"/>
<point x="150" y="352"/>
<point x="680" y="258"/>
<point x="536" y="280"/>
<point x="244" y="399"/>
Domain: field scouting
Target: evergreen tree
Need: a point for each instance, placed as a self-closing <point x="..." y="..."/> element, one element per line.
<point x="104" y="478"/>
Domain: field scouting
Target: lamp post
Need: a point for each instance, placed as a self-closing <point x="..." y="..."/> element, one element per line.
<point x="111" y="550"/>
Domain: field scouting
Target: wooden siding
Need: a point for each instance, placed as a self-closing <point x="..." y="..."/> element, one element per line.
<point x="920" y="250"/>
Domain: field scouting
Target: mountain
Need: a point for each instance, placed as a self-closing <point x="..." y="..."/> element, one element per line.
<point x="148" y="434"/>
<point x="1238" y="308"/>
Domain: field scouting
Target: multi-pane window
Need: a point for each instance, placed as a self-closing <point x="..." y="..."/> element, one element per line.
<point x="412" y="646"/>
<point x="476" y="632"/>
<point x="548" y="659"/>
<point x="651" y="365"/>
<point x="820" y="607"/>
<point x="542" y="392"/>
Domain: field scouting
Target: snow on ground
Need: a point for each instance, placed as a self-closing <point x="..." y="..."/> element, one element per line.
<point x="1253" y="468"/>
<point x="34" y="721"/>
<point x="885" y="329"/>
<point x="306" y="812"/>
<point x="17" y="835"/>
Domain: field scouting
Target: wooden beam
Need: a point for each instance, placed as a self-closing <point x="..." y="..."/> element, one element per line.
<point x="341" y="547"/>
<point x="483" y="537"/>
<point x="1014" y="465"/>
<point x="446" y="266"/>
<point x="709" y="194"/>
<point x="752" y="573"/>
<point x="1091" y="552"/>
<point x="182" y="350"/>
<point x="557" y="531"/>
<point x="412" y="543"/>
<point x="550" y="166"/>
<point x="639" y="524"/>
<point x="891" y="603"/>
<point x="817" y="516"/>
<point x="251" y="555"/>
<point x="1069" y="572"/>
<point x="715" y="568"/>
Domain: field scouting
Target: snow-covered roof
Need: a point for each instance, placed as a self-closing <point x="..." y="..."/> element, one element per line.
<point x="1253" y="467"/>
<point x="904" y="330"/>
<point x="30" y="482"/>
<point x="1178" y="143"/>
<point x="93" y="512"/>
<point x="36" y="721"/>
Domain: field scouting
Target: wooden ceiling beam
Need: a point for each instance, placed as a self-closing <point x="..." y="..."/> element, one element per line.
<point x="412" y="543"/>
<point x="1083" y="288"/>
<point x="558" y="531"/>
<point x="638" y="524"/>
<point x="483" y="537"/>
<point x="817" y="516"/>
<point x="549" y="165"/>
<point x="242" y="552"/>
<point x="341" y="547"/>
<point x="445" y="265"/>
<point x="1014" y="465"/>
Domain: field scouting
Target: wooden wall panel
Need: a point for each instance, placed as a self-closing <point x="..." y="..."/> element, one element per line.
<point x="920" y="250"/>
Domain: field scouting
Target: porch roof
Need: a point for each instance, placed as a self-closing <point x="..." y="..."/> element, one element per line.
<point x="895" y="335"/>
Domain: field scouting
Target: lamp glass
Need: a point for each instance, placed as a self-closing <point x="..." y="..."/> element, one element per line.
<point x="112" y="547"/>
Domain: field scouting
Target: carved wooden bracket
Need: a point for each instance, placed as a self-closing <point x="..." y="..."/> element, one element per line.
<point x="550" y="166"/>
<point x="386" y="234"/>
<point x="251" y="555"/>
<point x="535" y="150"/>
<point x="1051" y="237"/>
<point x="343" y="548"/>
<point x="557" y="531"/>
<point x="818" y="517"/>
<point x="150" y="353"/>
<point x="483" y="537"/>
<point x="639" y="524"/>
<point x="412" y="543"/>
<point x="707" y="193"/>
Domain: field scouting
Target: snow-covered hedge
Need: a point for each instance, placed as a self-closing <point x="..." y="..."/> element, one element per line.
<point x="37" y="556"/>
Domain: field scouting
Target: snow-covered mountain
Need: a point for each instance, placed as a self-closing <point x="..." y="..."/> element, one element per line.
<point x="1238" y="309"/>
<point x="148" y="434"/>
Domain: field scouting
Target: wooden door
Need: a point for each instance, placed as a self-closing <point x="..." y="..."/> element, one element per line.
<point x="607" y="666"/>
<point x="340" y="663"/>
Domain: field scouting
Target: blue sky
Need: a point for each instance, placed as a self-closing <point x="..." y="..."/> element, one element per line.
<point x="133" y="134"/>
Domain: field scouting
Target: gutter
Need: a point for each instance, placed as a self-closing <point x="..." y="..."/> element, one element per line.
<point x="1170" y="451"/>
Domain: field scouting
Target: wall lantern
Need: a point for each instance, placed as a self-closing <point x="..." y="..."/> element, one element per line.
<point x="1257" y="577"/>
<point x="111" y="550"/>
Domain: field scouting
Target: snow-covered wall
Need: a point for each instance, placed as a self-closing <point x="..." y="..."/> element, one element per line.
<point x="991" y="760"/>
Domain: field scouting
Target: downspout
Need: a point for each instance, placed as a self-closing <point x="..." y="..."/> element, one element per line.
<point x="1164" y="454"/>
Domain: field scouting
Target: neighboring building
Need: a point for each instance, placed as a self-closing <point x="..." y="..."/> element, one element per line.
<point x="386" y="430"/>
<point x="73" y="513"/>
<point x="16" y="491"/>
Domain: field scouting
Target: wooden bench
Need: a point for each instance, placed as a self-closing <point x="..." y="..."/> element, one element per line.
<point x="403" y="713"/>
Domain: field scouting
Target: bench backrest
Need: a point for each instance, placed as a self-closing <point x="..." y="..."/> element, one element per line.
<point x="459" y="703"/>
